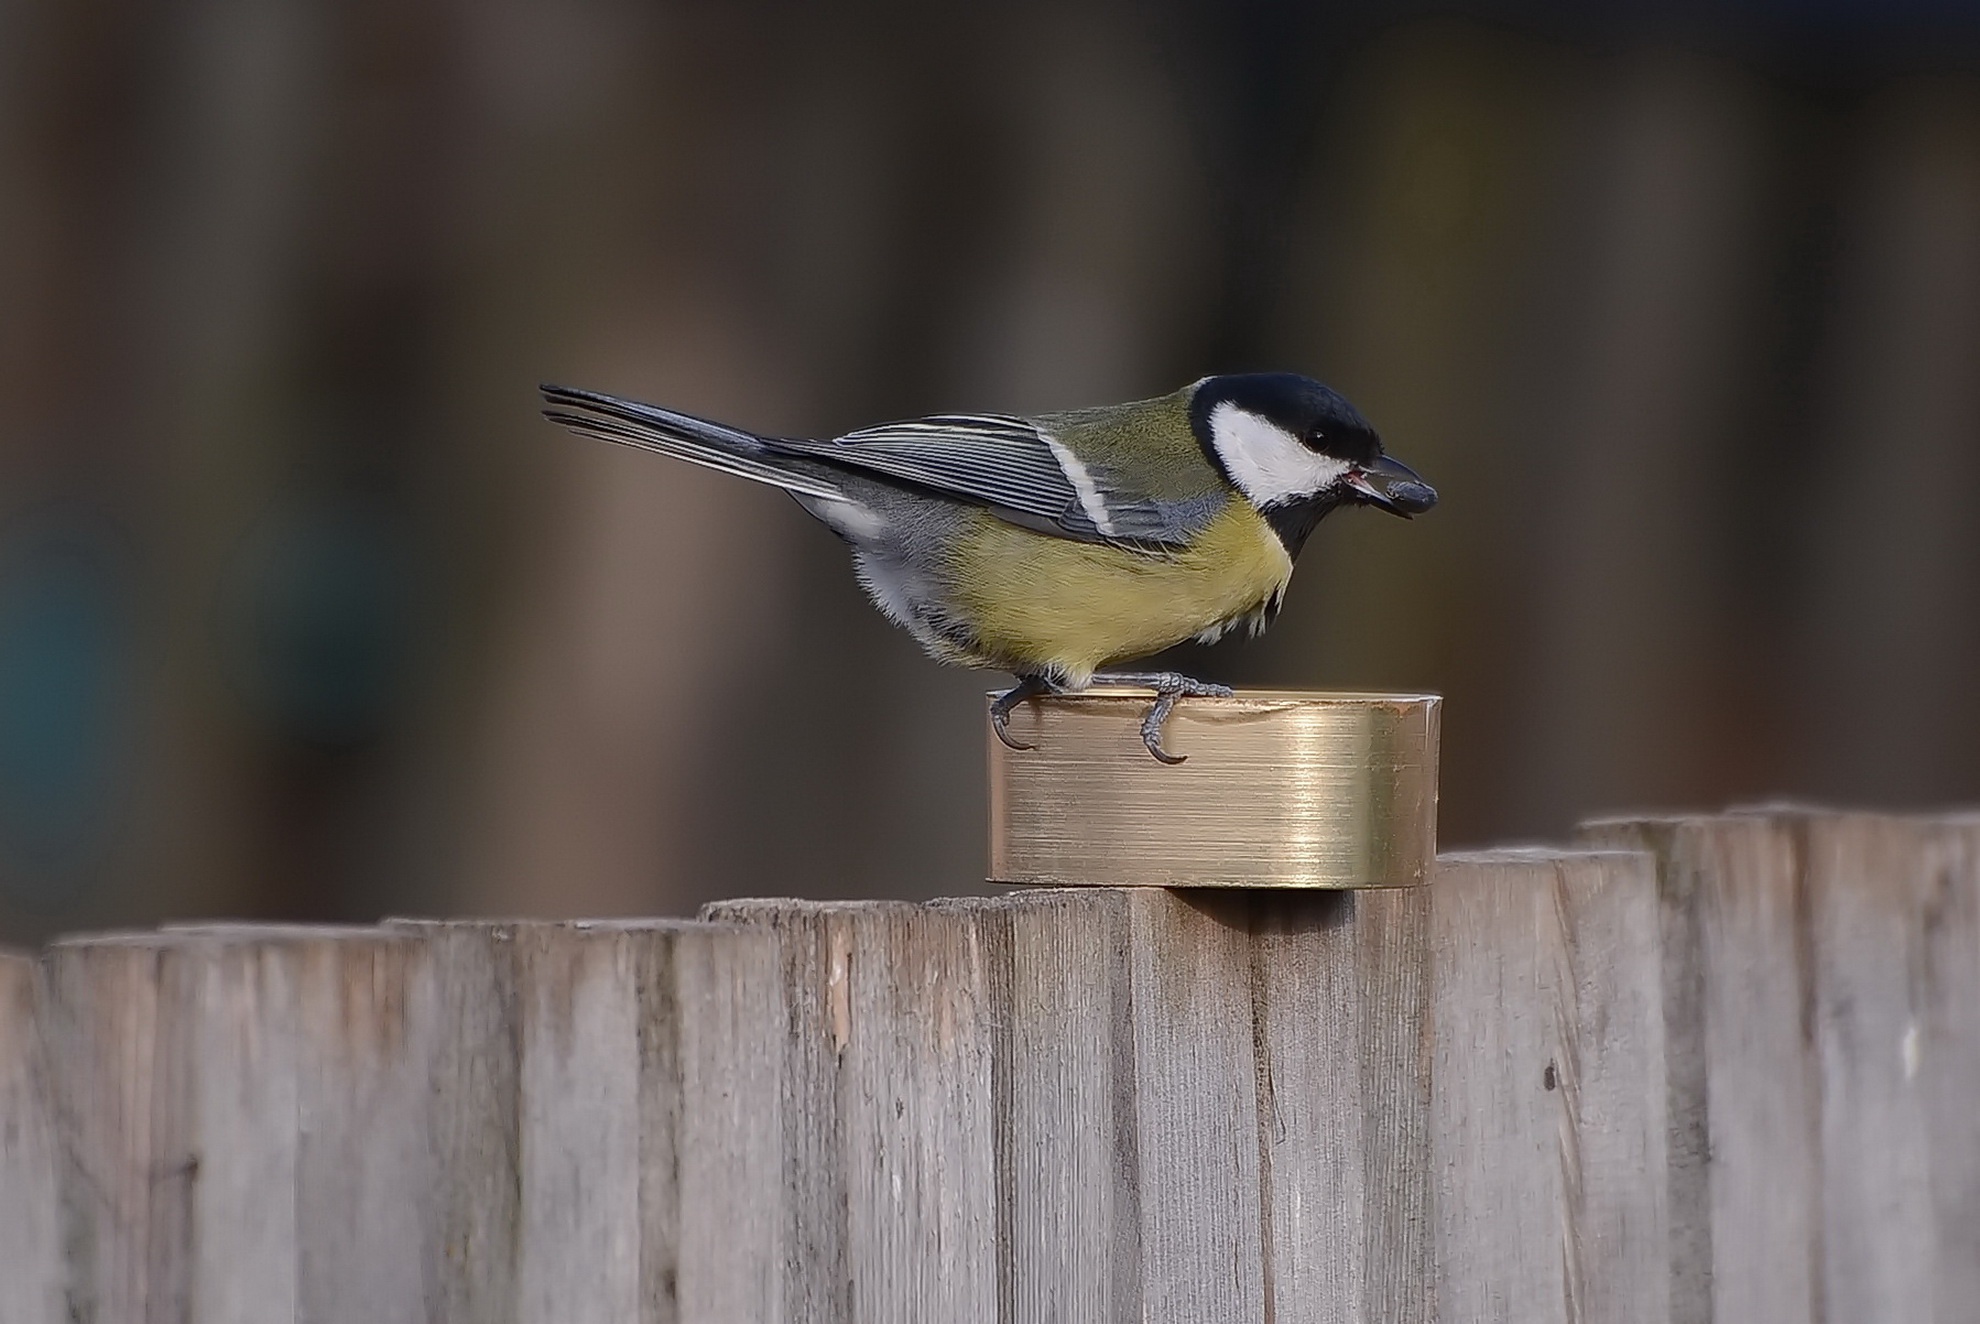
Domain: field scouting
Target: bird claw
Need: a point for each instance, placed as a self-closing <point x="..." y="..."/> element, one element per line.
<point x="1169" y="686"/>
<point x="1151" y="727"/>
<point x="1000" y="723"/>
<point x="1000" y="709"/>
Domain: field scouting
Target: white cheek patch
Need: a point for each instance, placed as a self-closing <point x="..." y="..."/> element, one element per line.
<point x="1269" y="464"/>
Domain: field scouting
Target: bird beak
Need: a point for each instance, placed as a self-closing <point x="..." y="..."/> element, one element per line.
<point x="1392" y="486"/>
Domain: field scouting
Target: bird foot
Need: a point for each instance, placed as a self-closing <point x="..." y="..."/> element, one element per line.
<point x="1169" y="686"/>
<point x="1000" y="711"/>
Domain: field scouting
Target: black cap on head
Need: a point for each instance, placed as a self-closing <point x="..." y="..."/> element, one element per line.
<point x="1318" y="415"/>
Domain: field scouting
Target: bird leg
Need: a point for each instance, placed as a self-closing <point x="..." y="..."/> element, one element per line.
<point x="1169" y="686"/>
<point x="1000" y="711"/>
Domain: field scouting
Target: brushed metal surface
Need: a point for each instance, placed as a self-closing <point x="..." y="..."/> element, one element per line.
<point x="1282" y="788"/>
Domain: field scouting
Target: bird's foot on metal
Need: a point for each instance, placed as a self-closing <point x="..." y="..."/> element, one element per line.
<point x="1169" y="686"/>
<point x="1000" y="711"/>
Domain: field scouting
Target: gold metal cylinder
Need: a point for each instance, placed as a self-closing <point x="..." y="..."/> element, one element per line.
<point x="1282" y="788"/>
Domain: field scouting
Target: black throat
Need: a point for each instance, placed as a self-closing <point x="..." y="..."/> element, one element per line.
<point x="1295" y="520"/>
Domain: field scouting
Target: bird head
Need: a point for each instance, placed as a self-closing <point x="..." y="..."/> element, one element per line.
<point x="1297" y="449"/>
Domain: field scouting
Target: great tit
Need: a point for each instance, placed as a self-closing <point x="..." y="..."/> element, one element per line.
<point x="1052" y="546"/>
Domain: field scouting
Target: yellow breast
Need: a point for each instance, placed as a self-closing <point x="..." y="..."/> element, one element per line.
<point x="1038" y="601"/>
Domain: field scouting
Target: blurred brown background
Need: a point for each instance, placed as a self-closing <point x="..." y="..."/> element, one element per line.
<point x="304" y="612"/>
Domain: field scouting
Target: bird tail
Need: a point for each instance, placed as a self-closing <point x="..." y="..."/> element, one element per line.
<point x="696" y="440"/>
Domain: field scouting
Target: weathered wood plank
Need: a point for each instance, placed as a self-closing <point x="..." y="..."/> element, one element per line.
<point x="1825" y="1063"/>
<point x="1177" y="1078"/>
<point x="353" y="1015"/>
<point x="1875" y="1163"/>
<point x="580" y="1229"/>
<point x="1280" y="1104"/>
<point x="100" y="1027"/>
<point x="1946" y="955"/>
<point x="475" y="1130"/>
<point x="1196" y="1107"/>
<point x="729" y="1186"/>
<point x="1341" y="1035"/>
<point x="123" y="1028"/>
<point x="1895" y="953"/>
<point x="613" y="1099"/>
<point x="887" y="1158"/>
<point x="31" y="1277"/>
<point x="364" y="1039"/>
<point x="1063" y="1107"/>
<point x="1732" y="1082"/>
<point x="1744" y="1107"/>
<point x="241" y="1118"/>
<point x="1548" y="1089"/>
<point x="277" y="1123"/>
<point x="650" y="1122"/>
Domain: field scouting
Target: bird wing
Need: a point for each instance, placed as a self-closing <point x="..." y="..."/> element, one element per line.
<point x="1019" y="470"/>
<point x="696" y="440"/>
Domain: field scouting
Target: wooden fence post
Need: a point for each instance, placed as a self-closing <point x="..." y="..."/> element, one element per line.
<point x="475" y="1124"/>
<point x="1822" y="1011"/>
<point x="1728" y="1076"/>
<point x="1743" y="1206"/>
<point x="1158" y="1105"/>
<point x="30" y="1220"/>
<point x="241" y="1121"/>
<point x="1192" y="1052"/>
<point x="1549" y="1089"/>
<point x="1892" y="909"/>
<point x="1281" y="1103"/>
<point x="886" y="1095"/>
<point x="1063" y="1097"/>
<point x="607" y="1121"/>
<point x="886" y="1159"/>
<point x="502" y="1122"/>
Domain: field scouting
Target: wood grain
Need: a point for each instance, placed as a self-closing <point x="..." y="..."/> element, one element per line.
<point x="1944" y="951"/>
<point x="1744" y="1108"/>
<point x="242" y="1119"/>
<point x="1201" y="1104"/>
<point x="1724" y="1074"/>
<point x="1068" y="1162"/>
<point x="1340" y="1033"/>
<point x="475" y="1207"/>
<point x="608" y="1121"/>
<point x="1824" y="1066"/>
<point x="1196" y="1107"/>
<point x="363" y="1039"/>
<point x="1548" y="1125"/>
<point x="887" y="1159"/>
<point x="31" y="1274"/>
<point x="527" y="1122"/>
<point x="1895" y="949"/>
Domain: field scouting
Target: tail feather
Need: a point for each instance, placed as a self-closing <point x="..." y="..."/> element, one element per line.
<point x="696" y="440"/>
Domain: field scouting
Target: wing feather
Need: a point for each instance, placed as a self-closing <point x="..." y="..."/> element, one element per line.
<point x="683" y="436"/>
<point x="1009" y="464"/>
